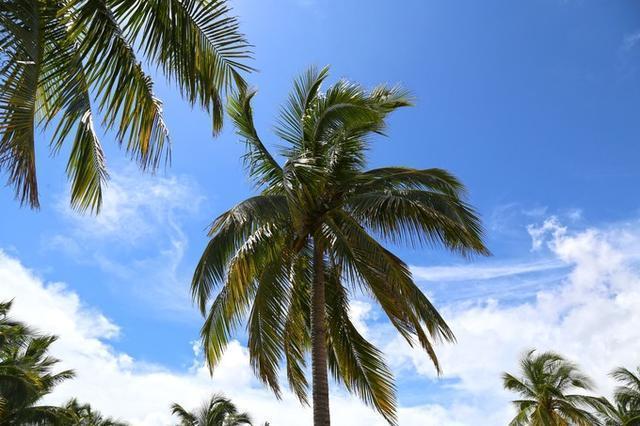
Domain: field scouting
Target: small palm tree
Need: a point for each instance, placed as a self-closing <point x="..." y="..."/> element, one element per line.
<point x="293" y="255"/>
<point x="83" y="415"/>
<point x="218" y="411"/>
<point x="25" y="375"/>
<point x="547" y="389"/>
<point x="61" y="61"/>
<point x="625" y="410"/>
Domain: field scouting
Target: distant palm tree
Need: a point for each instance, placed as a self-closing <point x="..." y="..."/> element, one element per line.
<point x="25" y="375"/>
<point x="547" y="389"/>
<point x="84" y="415"/>
<point x="625" y="410"/>
<point x="292" y="255"/>
<point x="61" y="61"/>
<point x="218" y="411"/>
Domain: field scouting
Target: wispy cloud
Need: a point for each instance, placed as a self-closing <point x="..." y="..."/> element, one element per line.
<point x="589" y="313"/>
<point x="137" y="238"/>
<point x="482" y="272"/>
<point x="630" y="41"/>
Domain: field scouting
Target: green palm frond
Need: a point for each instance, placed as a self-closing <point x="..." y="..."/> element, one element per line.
<point x="267" y="322"/>
<point x="21" y="29"/>
<point x="186" y="418"/>
<point x="124" y="90"/>
<point x="197" y="43"/>
<point x="323" y="201"/>
<point x="59" y="56"/>
<point x="305" y="91"/>
<point x="262" y="166"/>
<point x="353" y="360"/>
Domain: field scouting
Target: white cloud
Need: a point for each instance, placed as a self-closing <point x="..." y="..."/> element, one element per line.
<point x="121" y="386"/>
<point x="481" y="272"/>
<point x="134" y="206"/>
<point x="591" y="317"/>
<point x="631" y="40"/>
<point x="139" y="211"/>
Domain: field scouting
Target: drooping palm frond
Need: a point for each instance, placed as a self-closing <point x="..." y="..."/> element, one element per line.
<point x="58" y="56"/>
<point x="353" y="360"/>
<point x="21" y="26"/>
<point x="196" y="43"/>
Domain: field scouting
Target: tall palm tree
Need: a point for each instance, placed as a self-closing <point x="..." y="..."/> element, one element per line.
<point x="547" y="389"/>
<point x="25" y="375"/>
<point x="625" y="410"/>
<point x="83" y="415"/>
<point x="293" y="255"/>
<point x="61" y="61"/>
<point x="218" y="411"/>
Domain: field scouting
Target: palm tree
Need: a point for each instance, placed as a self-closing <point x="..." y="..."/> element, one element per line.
<point x="292" y="255"/>
<point x="547" y="387"/>
<point x="25" y="375"/>
<point x="625" y="410"/>
<point x="61" y="61"/>
<point x="84" y="415"/>
<point x="218" y="411"/>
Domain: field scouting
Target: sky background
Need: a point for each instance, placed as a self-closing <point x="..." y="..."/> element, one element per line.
<point x="533" y="104"/>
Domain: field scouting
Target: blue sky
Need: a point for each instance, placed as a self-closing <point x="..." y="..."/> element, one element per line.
<point x="533" y="104"/>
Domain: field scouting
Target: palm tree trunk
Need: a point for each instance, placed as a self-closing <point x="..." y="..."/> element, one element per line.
<point x="321" y="415"/>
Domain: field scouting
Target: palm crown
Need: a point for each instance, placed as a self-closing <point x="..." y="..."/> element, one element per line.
<point x="292" y="256"/>
<point x="25" y="375"/>
<point x="58" y="57"/>
<point x="548" y="389"/>
<point x="218" y="411"/>
<point x="625" y="408"/>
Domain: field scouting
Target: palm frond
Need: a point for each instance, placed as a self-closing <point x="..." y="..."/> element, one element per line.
<point x="297" y="328"/>
<point x="228" y="232"/>
<point x="65" y="96"/>
<point x="20" y="38"/>
<point x="266" y="323"/>
<point x="197" y="44"/>
<point x="306" y="88"/>
<point x="261" y="164"/>
<point x="420" y="218"/>
<point x="126" y="95"/>
<point x="352" y="359"/>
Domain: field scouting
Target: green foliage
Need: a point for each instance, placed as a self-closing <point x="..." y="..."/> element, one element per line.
<point x="218" y="411"/>
<point x="83" y="415"/>
<point x="63" y="61"/>
<point x="321" y="195"/>
<point x="26" y="376"/>
<point x="625" y="408"/>
<point x="547" y="388"/>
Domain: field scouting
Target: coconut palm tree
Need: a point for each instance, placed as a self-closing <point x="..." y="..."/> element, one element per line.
<point x="547" y="389"/>
<point x="293" y="255"/>
<point x="625" y="410"/>
<point x="25" y="375"/>
<point x="218" y="411"/>
<point x="83" y="415"/>
<point x="63" y="61"/>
